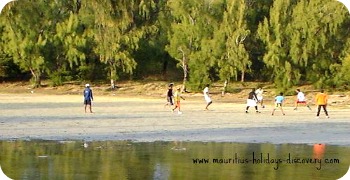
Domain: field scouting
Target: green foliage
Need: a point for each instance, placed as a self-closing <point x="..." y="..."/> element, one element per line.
<point x="192" y="28"/>
<point x="301" y="47"/>
<point x="234" y="28"/>
<point x="208" y="40"/>
<point x="117" y="32"/>
<point x="58" y="78"/>
<point x="342" y="77"/>
<point x="27" y="34"/>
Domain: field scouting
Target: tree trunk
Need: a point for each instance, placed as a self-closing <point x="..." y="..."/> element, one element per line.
<point x="242" y="76"/>
<point x="37" y="78"/>
<point x="185" y="69"/>
<point x="112" y="84"/>
<point x="113" y="76"/>
<point x="224" y="88"/>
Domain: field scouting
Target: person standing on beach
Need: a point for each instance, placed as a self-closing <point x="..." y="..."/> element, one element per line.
<point x="207" y="97"/>
<point x="300" y="100"/>
<point x="88" y="98"/>
<point x="259" y="94"/>
<point x="177" y="98"/>
<point x="252" y="101"/>
<point x="278" y="103"/>
<point x="170" y="95"/>
<point x="321" y="101"/>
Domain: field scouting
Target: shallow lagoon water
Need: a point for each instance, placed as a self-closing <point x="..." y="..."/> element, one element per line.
<point x="38" y="159"/>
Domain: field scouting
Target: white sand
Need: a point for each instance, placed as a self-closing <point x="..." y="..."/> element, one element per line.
<point x="62" y="117"/>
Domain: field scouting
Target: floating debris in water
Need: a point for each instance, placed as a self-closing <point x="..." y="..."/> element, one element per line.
<point x="43" y="156"/>
<point x="178" y="148"/>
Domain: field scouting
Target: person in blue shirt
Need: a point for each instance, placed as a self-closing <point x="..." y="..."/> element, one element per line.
<point x="88" y="98"/>
<point x="278" y="103"/>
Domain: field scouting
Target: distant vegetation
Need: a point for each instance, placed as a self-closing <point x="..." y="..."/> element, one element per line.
<point x="288" y="43"/>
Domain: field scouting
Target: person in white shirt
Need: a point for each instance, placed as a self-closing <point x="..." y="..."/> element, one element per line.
<point x="259" y="94"/>
<point x="300" y="100"/>
<point x="207" y="97"/>
<point x="252" y="101"/>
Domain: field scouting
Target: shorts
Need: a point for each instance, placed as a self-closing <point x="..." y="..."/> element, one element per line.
<point x="177" y="103"/>
<point x="301" y="102"/>
<point x="170" y="100"/>
<point x="260" y="98"/>
<point x="278" y="105"/>
<point x="207" y="99"/>
<point x="87" y="102"/>
<point x="251" y="102"/>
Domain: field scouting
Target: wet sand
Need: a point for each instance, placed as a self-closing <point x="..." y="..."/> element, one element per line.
<point x="62" y="117"/>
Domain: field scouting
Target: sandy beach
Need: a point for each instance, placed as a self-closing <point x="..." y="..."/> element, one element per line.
<point x="61" y="117"/>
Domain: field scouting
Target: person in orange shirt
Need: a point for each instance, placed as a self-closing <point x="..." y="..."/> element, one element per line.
<point x="321" y="101"/>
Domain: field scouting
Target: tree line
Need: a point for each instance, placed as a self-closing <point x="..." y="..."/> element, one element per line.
<point x="288" y="43"/>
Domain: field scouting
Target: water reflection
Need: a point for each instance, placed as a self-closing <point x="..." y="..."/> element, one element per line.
<point x="318" y="150"/>
<point x="170" y="160"/>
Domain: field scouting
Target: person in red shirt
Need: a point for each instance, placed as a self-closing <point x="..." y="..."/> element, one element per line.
<point x="321" y="101"/>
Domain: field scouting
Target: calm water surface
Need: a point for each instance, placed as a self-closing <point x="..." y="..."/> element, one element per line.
<point x="170" y="160"/>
